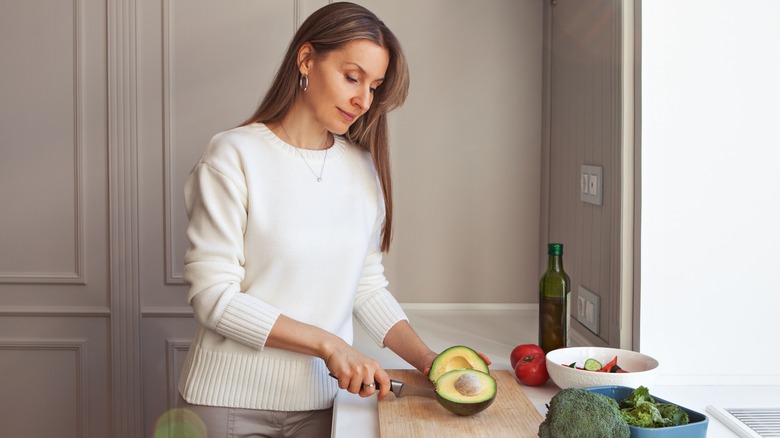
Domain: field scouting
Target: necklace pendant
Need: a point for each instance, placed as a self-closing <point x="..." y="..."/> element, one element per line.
<point x="322" y="169"/>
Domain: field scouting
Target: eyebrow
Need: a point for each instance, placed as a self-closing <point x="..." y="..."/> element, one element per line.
<point x="362" y="70"/>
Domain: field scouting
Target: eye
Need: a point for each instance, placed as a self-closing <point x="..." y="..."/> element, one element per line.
<point x="350" y="78"/>
<point x="372" y="89"/>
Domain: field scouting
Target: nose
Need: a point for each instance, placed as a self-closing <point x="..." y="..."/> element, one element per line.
<point x="362" y="100"/>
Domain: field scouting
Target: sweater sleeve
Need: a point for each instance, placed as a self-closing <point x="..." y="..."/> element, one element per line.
<point x="375" y="307"/>
<point x="216" y="203"/>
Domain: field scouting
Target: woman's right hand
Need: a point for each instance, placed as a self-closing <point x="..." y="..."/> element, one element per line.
<point x="356" y="372"/>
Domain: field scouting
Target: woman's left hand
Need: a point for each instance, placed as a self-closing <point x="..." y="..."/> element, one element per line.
<point x="427" y="361"/>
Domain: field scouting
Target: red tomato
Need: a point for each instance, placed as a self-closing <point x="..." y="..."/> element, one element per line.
<point x="525" y="350"/>
<point x="530" y="367"/>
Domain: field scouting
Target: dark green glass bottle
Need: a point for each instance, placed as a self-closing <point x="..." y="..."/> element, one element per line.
<point x="554" y="290"/>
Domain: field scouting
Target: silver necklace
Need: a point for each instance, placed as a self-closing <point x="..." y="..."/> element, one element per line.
<point x="324" y="143"/>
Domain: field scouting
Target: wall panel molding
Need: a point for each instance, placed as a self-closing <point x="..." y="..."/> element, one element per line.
<point x="79" y="348"/>
<point x="127" y="412"/>
<point x="171" y="277"/>
<point x="172" y="347"/>
<point x="78" y="170"/>
<point x="167" y="312"/>
<point x="77" y="276"/>
<point x="69" y="312"/>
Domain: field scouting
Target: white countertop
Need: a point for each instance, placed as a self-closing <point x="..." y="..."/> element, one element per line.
<point x="496" y="333"/>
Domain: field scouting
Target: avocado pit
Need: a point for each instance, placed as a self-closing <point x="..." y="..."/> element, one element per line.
<point x="468" y="384"/>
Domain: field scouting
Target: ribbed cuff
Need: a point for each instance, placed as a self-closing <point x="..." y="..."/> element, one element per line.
<point x="379" y="314"/>
<point x="248" y="320"/>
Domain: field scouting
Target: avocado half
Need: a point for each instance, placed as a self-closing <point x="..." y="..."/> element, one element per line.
<point x="465" y="391"/>
<point x="456" y="358"/>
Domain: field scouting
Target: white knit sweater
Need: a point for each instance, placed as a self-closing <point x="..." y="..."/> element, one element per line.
<point x="267" y="239"/>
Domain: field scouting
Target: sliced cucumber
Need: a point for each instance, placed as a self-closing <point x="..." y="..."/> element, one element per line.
<point x="592" y="365"/>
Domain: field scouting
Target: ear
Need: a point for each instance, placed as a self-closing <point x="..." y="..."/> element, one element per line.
<point x="305" y="58"/>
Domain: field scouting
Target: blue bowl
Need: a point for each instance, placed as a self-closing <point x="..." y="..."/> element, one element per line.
<point x="696" y="427"/>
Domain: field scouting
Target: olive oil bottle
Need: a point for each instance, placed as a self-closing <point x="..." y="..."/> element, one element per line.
<point x="554" y="290"/>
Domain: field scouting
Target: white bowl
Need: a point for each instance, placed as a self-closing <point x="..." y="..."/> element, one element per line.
<point x="641" y="368"/>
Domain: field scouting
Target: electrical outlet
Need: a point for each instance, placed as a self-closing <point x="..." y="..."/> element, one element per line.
<point x="584" y="184"/>
<point x="588" y="305"/>
<point x="592" y="184"/>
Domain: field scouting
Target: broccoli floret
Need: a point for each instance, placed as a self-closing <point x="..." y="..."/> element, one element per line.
<point x="583" y="414"/>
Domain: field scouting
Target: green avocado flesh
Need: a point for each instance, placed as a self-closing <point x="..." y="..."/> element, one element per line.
<point x="456" y="358"/>
<point x="465" y="391"/>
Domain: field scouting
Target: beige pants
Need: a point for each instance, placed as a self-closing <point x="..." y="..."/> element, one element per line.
<point x="195" y="421"/>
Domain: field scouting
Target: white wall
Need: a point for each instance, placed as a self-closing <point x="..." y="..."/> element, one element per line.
<point x="710" y="189"/>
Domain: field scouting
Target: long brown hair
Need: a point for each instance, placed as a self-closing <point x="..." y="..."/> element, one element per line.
<point x="328" y="29"/>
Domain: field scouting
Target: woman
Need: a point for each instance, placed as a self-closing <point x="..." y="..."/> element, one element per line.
<point x="289" y="216"/>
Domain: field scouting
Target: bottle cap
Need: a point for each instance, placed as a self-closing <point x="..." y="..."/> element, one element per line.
<point x="555" y="249"/>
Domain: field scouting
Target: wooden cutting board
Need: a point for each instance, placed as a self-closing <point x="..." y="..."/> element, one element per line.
<point x="511" y="413"/>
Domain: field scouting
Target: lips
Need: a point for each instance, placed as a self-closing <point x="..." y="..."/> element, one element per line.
<point x="348" y="117"/>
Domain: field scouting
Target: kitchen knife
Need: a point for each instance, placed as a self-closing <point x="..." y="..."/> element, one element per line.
<point x="400" y="389"/>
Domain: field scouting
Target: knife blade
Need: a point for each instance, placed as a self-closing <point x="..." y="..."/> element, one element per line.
<point x="401" y="389"/>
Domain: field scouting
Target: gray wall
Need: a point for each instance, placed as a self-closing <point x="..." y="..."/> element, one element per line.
<point x="106" y="106"/>
<point x="588" y="99"/>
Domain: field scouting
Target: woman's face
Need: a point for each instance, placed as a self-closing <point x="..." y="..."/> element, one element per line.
<point x="342" y="83"/>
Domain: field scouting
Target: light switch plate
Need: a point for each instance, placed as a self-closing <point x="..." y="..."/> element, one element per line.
<point x="588" y="305"/>
<point x="591" y="184"/>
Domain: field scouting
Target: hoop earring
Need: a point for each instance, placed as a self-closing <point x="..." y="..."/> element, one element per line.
<point x="303" y="82"/>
